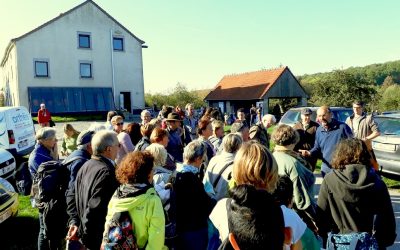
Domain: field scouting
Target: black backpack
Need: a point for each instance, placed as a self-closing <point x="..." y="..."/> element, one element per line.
<point x="118" y="233"/>
<point x="23" y="179"/>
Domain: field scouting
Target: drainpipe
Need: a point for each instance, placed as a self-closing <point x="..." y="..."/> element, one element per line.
<point x="112" y="64"/>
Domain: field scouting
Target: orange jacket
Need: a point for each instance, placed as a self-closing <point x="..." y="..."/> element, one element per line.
<point x="43" y="116"/>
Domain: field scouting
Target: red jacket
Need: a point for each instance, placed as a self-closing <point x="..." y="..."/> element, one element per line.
<point x="43" y="116"/>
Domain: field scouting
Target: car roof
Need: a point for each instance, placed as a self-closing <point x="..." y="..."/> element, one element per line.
<point x="397" y="115"/>
<point x="313" y="108"/>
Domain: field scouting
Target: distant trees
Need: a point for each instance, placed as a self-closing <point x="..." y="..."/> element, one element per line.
<point x="390" y="98"/>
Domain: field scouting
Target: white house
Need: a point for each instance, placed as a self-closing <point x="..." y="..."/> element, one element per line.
<point x="81" y="61"/>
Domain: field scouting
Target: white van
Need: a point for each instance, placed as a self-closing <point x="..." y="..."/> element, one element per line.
<point x="17" y="133"/>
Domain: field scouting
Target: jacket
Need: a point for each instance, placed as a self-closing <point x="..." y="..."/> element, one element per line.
<point x="39" y="155"/>
<point x="43" y="116"/>
<point x="94" y="187"/>
<point x="126" y="146"/>
<point x="143" y="144"/>
<point x="366" y="126"/>
<point x="259" y="132"/>
<point x="326" y="140"/>
<point x="146" y="212"/>
<point x="349" y="199"/>
<point x="307" y="140"/>
<point x="69" y="143"/>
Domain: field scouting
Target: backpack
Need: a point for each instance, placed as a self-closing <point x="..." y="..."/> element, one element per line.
<point x="170" y="209"/>
<point x="118" y="233"/>
<point x="23" y="179"/>
<point x="352" y="241"/>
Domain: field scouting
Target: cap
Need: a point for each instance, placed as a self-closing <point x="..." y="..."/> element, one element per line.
<point x="306" y="111"/>
<point x="84" y="137"/>
<point x="173" y="117"/>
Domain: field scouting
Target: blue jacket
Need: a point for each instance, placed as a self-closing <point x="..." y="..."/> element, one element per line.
<point x="326" y="141"/>
<point x="39" y="155"/>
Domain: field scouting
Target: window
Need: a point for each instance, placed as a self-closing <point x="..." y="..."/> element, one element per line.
<point x="41" y="69"/>
<point x="84" y="41"/>
<point x="118" y="43"/>
<point x="85" y="70"/>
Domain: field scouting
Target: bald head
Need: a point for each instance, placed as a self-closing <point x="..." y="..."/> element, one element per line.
<point x="324" y="115"/>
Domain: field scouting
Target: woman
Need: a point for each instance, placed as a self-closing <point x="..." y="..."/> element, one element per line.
<point x="144" y="142"/>
<point x="69" y="140"/>
<point x="45" y="150"/>
<point x="204" y="130"/>
<point x="133" y="130"/>
<point x="137" y="196"/>
<point x="352" y="194"/>
<point x="193" y="205"/>
<point x="292" y="165"/>
<point x="125" y="142"/>
<point x="161" y="175"/>
<point x="161" y="136"/>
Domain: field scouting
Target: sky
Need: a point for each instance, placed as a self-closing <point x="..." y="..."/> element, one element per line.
<point x="196" y="43"/>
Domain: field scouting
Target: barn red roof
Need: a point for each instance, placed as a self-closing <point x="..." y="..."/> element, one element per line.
<point x="245" y="86"/>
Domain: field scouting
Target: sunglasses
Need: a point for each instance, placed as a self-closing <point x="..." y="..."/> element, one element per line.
<point x="119" y="124"/>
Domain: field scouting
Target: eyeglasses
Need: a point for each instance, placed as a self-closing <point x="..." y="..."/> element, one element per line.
<point x="119" y="124"/>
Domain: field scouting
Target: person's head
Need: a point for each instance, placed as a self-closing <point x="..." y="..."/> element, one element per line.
<point x="69" y="130"/>
<point x="232" y="142"/>
<point x="241" y="128"/>
<point x="306" y="115"/>
<point x="218" y="128"/>
<point x="133" y="130"/>
<point x="145" y="116"/>
<point x="160" y="136"/>
<point x="255" y="165"/>
<point x="110" y="115"/>
<point x="47" y="137"/>
<point x="268" y="120"/>
<point x="95" y="126"/>
<point x="351" y="151"/>
<point x="240" y="114"/>
<point x="42" y="106"/>
<point x="105" y="143"/>
<point x="189" y="109"/>
<point x="173" y="121"/>
<point x="156" y="122"/>
<point x="204" y="128"/>
<point x="84" y="141"/>
<point x="118" y="123"/>
<point x="136" y="168"/>
<point x="159" y="153"/>
<point x="284" y="135"/>
<point x="255" y="220"/>
<point x="194" y="152"/>
<point x="146" y="130"/>
<point x="324" y="115"/>
<point x="284" y="191"/>
<point x="215" y="114"/>
<point x="358" y="107"/>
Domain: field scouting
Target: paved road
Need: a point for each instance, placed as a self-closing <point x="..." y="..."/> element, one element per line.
<point x="394" y="194"/>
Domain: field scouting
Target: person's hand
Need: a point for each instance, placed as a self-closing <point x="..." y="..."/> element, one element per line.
<point x="72" y="233"/>
<point x="304" y="152"/>
<point x="54" y="152"/>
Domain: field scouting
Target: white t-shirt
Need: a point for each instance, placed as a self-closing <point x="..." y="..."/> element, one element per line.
<point x="219" y="218"/>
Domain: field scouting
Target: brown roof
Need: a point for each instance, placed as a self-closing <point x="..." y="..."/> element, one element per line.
<point x="245" y="86"/>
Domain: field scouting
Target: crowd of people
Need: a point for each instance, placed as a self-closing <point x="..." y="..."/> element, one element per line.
<point x="186" y="184"/>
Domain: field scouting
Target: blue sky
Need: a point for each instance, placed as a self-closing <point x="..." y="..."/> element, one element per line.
<point x="198" y="42"/>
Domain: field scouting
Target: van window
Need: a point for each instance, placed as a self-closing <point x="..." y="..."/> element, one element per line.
<point x="291" y="116"/>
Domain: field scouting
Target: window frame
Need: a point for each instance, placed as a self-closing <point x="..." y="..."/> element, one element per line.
<point x="80" y="69"/>
<point x="46" y="61"/>
<point x="122" y="43"/>
<point x="84" y="34"/>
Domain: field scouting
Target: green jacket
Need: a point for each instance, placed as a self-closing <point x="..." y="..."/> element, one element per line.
<point x="147" y="216"/>
<point x="69" y="143"/>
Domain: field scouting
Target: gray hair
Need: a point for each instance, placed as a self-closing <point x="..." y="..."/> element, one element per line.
<point x="269" y="116"/>
<point x="194" y="150"/>
<point x="159" y="153"/>
<point x="144" y="111"/>
<point x="95" y="126"/>
<point x="103" y="139"/>
<point x="239" y="126"/>
<point x="83" y="146"/>
<point x="45" y="133"/>
<point x="232" y="142"/>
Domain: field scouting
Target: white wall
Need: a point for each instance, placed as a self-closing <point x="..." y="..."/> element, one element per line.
<point x="9" y="74"/>
<point x="58" y="43"/>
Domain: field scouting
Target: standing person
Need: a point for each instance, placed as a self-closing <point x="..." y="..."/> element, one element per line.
<point x="176" y="143"/>
<point x="241" y="116"/>
<point x="110" y="115"/>
<point x="44" y="116"/>
<point x="124" y="139"/>
<point x="133" y="130"/>
<point x="328" y="135"/>
<point x="353" y="194"/>
<point x="69" y="140"/>
<point x="193" y="205"/>
<point x="218" y="134"/>
<point x="145" y="115"/>
<point x="144" y="142"/>
<point x="94" y="186"/>
<point x="253" y="114"/>
<point x="161" y="136"/>
<point x="137" y="196"/>
<point x="307" y="130"/>
<point x="259" y="112"/>
<point x="242" y="129"/>
<point x="204" y="130"/>
<point x="259" y="132"/>
<point x="190" y="121"/>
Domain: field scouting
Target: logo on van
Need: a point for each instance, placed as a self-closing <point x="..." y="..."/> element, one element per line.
<point x="20" y="118"/>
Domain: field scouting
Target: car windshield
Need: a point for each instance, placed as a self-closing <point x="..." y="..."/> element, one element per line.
<point x="290" y="117"/>
<point x="342" y="115"/>
<point x="388" y="125"/>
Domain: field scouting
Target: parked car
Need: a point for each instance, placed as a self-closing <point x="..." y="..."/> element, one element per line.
<point x="292" y="116"/>
<point x="387" y="146"/>
<point x="8" y="200"/>
<point x="7" y="165"/>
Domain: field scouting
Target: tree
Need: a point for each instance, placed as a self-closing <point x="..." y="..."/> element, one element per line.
<point x="341" y="88"/>
<point x="390" y="98"/>
<point x="388" y="82"/>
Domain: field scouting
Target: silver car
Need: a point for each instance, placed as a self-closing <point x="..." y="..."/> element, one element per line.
<point x="387" y="145"/>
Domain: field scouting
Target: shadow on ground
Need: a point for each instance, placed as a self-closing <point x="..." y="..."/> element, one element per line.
<point x="19" y="233"/>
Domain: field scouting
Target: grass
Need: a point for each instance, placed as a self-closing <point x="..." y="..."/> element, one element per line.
<point x="75" y="118"/>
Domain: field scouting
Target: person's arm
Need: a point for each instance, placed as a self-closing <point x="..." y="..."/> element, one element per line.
<point x="156" y="229"/>
<point x="126" y="143"/>
<point x="39" y="117"/>
<point x="374" y="128"/>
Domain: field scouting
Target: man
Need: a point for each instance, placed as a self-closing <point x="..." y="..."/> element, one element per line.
<point x="259" y="132"/>
<point x="253" y="114"/>
<point x="327" y="137"/>
<point x="44" y="116"/>
<point x="145" y="116"/>
<point x="241" y="116"/>
<point x="363" y="126"/>
<point x="74" y="162"/>
<point x="307" y="130"/>
<point x="242" y="129"/>
<point x="94" y="186"/>
<point x="178" y="136"/>
<point x="190" y="121"/>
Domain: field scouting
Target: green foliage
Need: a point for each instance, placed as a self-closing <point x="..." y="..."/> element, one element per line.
<point x="390" y="98"/>
<point x="177" y="96"/>
<point x="341" y="88"/>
